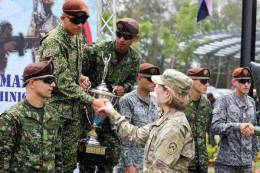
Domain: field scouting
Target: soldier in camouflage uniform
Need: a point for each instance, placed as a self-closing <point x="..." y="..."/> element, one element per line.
<point x="233" y="120"/>
<point x="140" y="108"/>
<point x="198" y="112"/>
<point x="168" y="141"/>
<point x="122" y="70"/>
<point x="63" y="45"/>
<point x="28" y="133"/>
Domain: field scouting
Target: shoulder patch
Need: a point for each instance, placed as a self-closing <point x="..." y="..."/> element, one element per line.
<point x="172" y="148"/>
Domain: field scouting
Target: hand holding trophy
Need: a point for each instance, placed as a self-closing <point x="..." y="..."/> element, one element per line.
<point x="90" y="151"/>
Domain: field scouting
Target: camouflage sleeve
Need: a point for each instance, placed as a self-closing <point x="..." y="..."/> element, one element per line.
<point x="6" y="142"/>
<point x="130" y="81"/>
<point x="87" y="60"/>
<point x="220" y="125"/>
<point x="125" y="109"/>
<point x="128" y="131"/>
<point x="169" y="150"/>
<point x="64" y="81"/>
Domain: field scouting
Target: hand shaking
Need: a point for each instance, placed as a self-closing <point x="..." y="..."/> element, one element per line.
<point x="247" y="129"/>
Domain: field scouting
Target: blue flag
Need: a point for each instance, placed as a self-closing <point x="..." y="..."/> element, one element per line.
<point x="204" y="10"/>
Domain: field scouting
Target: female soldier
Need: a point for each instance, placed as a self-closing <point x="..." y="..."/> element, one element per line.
<point x="168" y="141"/>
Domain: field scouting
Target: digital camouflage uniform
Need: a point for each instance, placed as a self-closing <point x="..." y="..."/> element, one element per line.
<point x="235" y="152"/>
<point x="120" y="72"/>
<point x="198" y="118"/>
<point x="168" y="141"/>
<point x="66" y="53"/>
<point x="139" y="111"/>
<point x="27" y="139"/>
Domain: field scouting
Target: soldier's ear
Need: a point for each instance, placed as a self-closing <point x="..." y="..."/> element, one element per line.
<point x="137" y="38"/>
<point x="62" y="18"/>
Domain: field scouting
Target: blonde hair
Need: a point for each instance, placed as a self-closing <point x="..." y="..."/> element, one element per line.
<point x="176" y="100"/>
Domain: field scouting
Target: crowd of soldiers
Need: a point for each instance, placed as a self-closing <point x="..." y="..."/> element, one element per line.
<point x="143" y="133"/>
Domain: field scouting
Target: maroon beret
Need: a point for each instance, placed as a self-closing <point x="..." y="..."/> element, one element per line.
<point x="198" y="73"/>
<point x="242" y="73"/>
<point x="38" y="70"/>
<point x="147" y="69"/>
<point x="127" y="26"/>
<point x="75" y="7"/>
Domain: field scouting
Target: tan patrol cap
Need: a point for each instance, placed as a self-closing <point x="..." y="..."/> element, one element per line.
<point x="175" y="80"/>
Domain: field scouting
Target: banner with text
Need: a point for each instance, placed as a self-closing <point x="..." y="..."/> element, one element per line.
<point x="22" y="24"/>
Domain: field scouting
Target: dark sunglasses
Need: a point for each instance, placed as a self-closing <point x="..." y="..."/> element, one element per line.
<point x="149" y="79"/>
<point x="78" y="20"/>
<point x="243" y="81"/>
<point x="204" y="81"/>
<point x="48" y="80"/>
<point x="125" y="36"/>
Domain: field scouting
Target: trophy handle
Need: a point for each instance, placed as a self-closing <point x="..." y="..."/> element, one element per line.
<point x="88" y="87"/>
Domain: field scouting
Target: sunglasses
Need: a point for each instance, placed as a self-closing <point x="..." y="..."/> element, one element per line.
<point x="243" y="81"/>
<point x="204" y="81"/>
<point x="77" y="19"/>
<point x="149" y="79"/>
<point x="125" y="36"/>
<point x="48" y="80"/>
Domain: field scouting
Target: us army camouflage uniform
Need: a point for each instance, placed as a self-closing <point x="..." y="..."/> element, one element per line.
<point x="120" y="72"/>
<point x="198" y="118"/>
<point x="235" y="151"/>
<point x="168" y="141"/>
<point x="66" y="53"/>
<point x="27" y="139"/>
<point x="139" y="111"/>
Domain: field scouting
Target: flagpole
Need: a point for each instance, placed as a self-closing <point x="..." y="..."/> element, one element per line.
<point x="248" y="34"/>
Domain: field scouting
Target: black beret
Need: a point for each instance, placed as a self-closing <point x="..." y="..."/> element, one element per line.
<point x="198" y="73"/>
<point x="127" y="26"/>
<point x="242" y="73"/>
<point x="147" y="69"/>
<point x="38" y="70"/>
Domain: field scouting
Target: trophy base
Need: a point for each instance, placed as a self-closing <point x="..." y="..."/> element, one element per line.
<point x="89" y="154"/>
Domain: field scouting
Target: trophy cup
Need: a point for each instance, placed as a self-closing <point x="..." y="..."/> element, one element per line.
<point x="90" y="152"/>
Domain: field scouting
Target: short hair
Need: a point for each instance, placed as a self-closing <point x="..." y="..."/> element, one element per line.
<point x="176" y="100"/>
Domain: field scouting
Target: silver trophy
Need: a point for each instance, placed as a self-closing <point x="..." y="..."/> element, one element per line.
<point x="89" y="149"/>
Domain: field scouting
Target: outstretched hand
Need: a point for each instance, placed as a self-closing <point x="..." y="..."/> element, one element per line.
<point x="106" y="109"/>
<point x="119" y="90"/>
<point x="97" y="104"/>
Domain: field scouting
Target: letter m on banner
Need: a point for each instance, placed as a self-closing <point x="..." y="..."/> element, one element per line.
<point x="204" y="9"/>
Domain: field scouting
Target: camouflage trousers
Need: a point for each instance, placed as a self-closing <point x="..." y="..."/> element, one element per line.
<point x="199" y="163"/>
<point x="68" y="135"/>
<point x="220" y="168"/>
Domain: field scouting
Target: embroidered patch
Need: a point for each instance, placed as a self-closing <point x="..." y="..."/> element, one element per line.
<point x="172" y="148"/>
<point x="205" y="72"/>
<point x="245" y="72"/>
